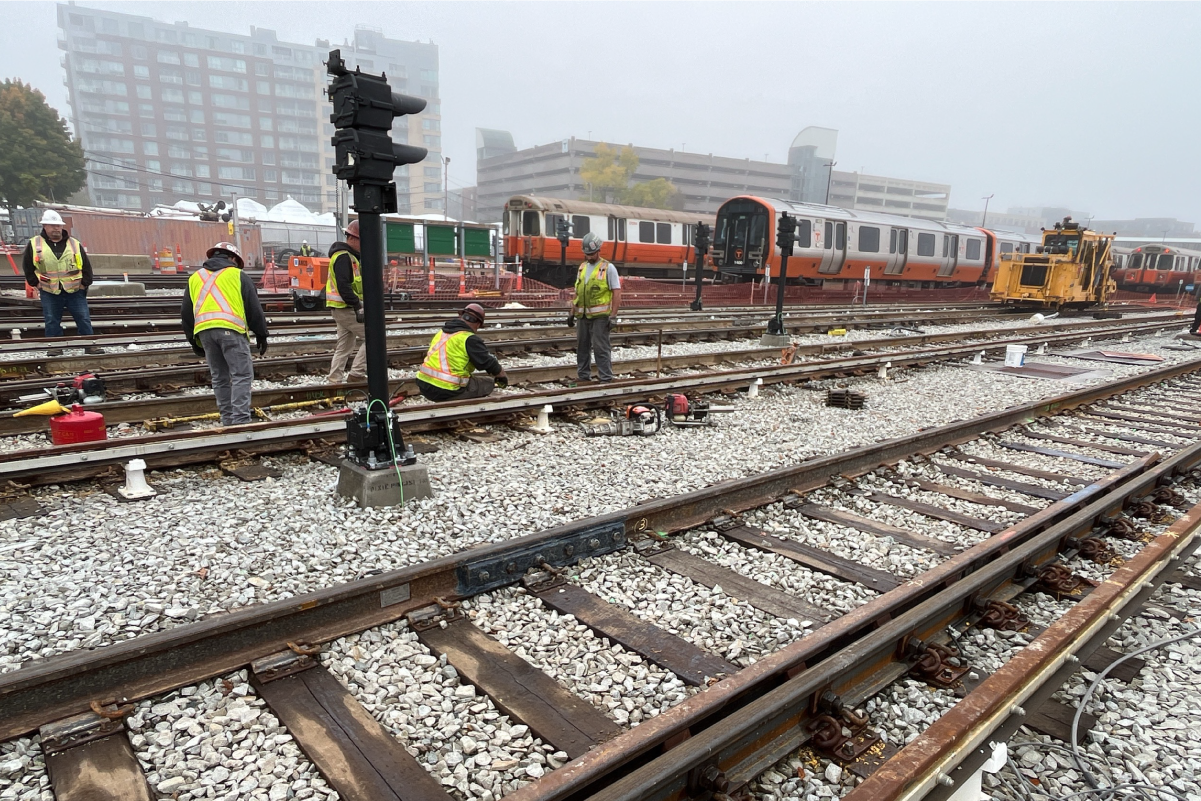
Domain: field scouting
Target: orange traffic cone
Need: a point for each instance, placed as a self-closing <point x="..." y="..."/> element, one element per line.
<point x="1152" y="298"/>
<point x="431" y="275"/>
<point x="178" y="259"/>
<point x="462" y="278"/>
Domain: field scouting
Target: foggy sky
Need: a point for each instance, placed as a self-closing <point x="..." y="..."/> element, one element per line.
<point x="1086" y="105"/>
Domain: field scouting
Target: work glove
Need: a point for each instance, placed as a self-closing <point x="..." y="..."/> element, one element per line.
<point x="502" y="380"/>
<point x="358" y="315"/>
<point x="199" y="351"/>
<point x="571" y="319"/>
<point x="262" y="341"/>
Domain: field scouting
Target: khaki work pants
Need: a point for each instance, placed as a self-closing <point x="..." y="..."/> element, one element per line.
<point x="350" y="337"/>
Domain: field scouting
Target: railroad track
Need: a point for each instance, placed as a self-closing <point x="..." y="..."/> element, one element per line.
<point x="165" y="327"/>
<point x="51" y="464"/>
<point x="984" y="512"/>
<point x="139" y="372"/>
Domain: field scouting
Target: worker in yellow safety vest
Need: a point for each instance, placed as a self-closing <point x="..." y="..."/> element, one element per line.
<point x="58" y="267"/>
<point x="344" y="298"/>
<point x="454" y="354"/>
<point x="220" y="309"/>
<point x="597" y="299"/>
<point x="305" y="250"/>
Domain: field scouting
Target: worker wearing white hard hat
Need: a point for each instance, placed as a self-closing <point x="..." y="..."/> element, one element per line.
<point x="305" y="250"/>
<point x="58" y="267"/>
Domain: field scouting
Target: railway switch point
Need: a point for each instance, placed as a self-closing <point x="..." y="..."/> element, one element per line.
<point x="376" y="488"/>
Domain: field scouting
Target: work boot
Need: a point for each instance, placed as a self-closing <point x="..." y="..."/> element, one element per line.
<point x="355" y="379"/>
<point x="94" y="350"/>
<point x="54" y="351"/>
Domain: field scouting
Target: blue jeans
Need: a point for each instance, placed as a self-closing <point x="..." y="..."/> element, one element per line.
<point x="74" y="302"/>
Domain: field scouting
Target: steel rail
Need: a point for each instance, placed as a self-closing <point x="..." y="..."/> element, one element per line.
<point x="47" y="465"/>
<point x="49" y="690"/>
<point x="858" y="663"/>
<point x="931" y="758"/>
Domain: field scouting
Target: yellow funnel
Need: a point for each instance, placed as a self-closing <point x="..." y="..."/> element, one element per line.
<point x="48" y="408"/>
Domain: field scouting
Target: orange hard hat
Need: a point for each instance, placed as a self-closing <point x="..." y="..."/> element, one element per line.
<point x="473" y="310"/>
<point x="353" y="228"/>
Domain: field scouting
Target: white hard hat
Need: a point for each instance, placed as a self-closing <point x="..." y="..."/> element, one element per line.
<point x="51" y="217"/>
<point x="304" y="241"/>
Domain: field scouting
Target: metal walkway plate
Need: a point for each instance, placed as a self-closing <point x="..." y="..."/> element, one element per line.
<point x="1044" y="370"/>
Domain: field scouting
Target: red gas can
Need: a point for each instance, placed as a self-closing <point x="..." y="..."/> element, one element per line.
<point x="77" y="425"/>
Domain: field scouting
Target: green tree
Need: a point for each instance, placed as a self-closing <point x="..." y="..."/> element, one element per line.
<point x="608" y="172"/>
<point x="38" y="158"/>
<point x="657" y="194"/>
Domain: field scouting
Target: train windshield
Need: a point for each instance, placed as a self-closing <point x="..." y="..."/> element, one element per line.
<point x="1165" y="261"/>
<point x="739" y="243"/>
<point x="1136" y="261"/>
<point x="1061" y="243"/>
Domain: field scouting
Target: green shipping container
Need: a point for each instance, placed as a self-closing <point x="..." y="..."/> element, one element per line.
<point x="440" y="240"/>
<point x="477" y="242"/>
<point x="400" y="238"/>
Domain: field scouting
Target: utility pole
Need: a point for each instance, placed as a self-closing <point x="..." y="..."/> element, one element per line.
<point x="985" y="220"/>
<point x="366" y="158"/>
<point x="829" y="178"/>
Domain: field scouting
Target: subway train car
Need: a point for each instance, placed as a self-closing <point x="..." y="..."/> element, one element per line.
<point x="1157" y="268"/>
<point x="839" y="244"/>
<point x="652" y="243"/>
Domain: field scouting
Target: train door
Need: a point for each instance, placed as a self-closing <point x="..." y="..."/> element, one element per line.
<point x="827" y="242"/>
<point x="898" y="251"/>
<point x="617" y="240"/>
<point x="950" y="254"/>
<point x="836" y="242"/>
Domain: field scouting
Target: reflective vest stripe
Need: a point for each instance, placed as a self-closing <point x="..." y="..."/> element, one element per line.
<point x="58" y="273"/>
<point x="224" y="311"/>
<point x="333" y="298"/>
<point x="594" y="287"/>
<point x="442" y="371"/>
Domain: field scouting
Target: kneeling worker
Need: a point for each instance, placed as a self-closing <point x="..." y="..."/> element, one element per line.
<point x="219" y="310"/>
<point x="455" y="352"/>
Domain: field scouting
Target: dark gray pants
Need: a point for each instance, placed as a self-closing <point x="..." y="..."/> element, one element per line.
<point x="232" y="369"/>
<point x="592" y="336"/>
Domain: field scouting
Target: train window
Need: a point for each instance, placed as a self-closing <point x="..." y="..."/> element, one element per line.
<point x="892" y="240"/>
<point x="869" y="239"/>
<point x="663" y="233"/>
<point x="925" y="244"/>
<point x="902" y="241"/>
<point x="1007" y="247"/>
<point x="552" y="224"/>
<point x="946" y="245"/>
<point x="529" y="224"/>
<point x="829" y="235"/>
<point x="1136" y="261"/>
<point x="758" y="228"/>
<point x="804" y="233"/>
<point x="580" y="225"/>
<point x="1165" y="262"/>
<point x="687" y="234"/>
<point x="973" y="249"/>
<point x="840" y="238"/>
<point x="1024" y="247"/>
<point x="617" y="229"/>
<point x="646" y="232"/>
<point x="740" y="233"/>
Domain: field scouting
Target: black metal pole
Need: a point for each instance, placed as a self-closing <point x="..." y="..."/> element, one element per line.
<point x="700" y="268"/>
<point x="371" y="266"/>
<point x="785" y="230"/>
<point x="780" y="283"/>
<point x="700" y="246"/>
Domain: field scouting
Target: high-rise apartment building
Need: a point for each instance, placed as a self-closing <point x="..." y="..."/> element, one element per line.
<point x="168" y="112"/>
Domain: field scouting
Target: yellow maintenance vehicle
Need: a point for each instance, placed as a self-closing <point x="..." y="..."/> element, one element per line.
<point x="1071" y="269"/>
